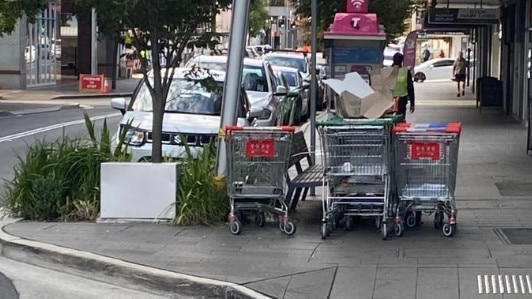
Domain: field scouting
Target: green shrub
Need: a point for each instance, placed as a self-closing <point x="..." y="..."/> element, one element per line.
<point x="199" y="199"/>
<point x="61" y="179"/>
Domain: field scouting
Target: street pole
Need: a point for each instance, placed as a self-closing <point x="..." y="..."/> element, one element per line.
<point x="231" y="93"/>
<point x="313" y="82"/>
<point x="94" y="43"/>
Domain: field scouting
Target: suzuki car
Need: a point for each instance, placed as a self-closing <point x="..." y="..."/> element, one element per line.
<point x="192" y="114"/>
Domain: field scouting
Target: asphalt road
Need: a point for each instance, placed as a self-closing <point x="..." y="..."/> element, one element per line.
<point x="35" y="282"/>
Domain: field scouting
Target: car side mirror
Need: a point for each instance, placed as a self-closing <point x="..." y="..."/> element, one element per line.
<point x="253" y="113"/>
<point x="281" y="91"/>
<point x="306" y="85"/>
<point x="119" y="104"/>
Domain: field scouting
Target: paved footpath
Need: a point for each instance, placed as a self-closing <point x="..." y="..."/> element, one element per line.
<point x="489" y="257"/>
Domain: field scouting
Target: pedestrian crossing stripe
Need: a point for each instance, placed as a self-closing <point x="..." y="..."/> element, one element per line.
<point x="504" y="284"/>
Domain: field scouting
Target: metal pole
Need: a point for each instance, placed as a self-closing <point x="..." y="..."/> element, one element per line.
<point x="94" y="42"/>
<point x="231" y="93"/>
<point x="313" y="81"/>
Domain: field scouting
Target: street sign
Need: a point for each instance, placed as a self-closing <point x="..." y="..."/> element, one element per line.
<point x="91" y="83"/>
<point x="468" y="16"/>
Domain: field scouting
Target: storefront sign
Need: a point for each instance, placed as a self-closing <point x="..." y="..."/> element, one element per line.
<point x="91" y="83"/>
<point x="454" y="16"/>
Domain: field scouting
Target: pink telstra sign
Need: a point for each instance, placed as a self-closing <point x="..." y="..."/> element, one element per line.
<point x="357" y="6"/>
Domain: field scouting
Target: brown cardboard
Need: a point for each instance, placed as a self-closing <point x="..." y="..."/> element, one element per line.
<point x="365" y="104"/>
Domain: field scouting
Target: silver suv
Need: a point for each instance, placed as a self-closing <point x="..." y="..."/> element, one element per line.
<point x="260" y="84"/>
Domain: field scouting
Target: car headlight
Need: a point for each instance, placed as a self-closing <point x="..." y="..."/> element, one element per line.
<point x="265" y="114"/>
<point x="135" y="138"/>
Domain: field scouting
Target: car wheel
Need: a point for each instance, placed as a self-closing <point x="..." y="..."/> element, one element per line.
<point x="419" y="77"/>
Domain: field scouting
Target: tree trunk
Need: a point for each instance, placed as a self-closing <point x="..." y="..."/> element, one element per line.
<point x="157" y="127"/>
<point x="114" y="63"/>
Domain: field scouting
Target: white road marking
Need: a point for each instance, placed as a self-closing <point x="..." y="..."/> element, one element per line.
<point x="504" y="284"/>
<point x="53" y="127"/>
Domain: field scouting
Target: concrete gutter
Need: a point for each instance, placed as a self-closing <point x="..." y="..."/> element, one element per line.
<point x="93" y="95"/>
<point x="115" y="271"/>
<point x="54" y="108"/>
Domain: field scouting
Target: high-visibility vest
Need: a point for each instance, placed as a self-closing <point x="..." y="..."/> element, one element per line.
<point x="401" y="85"/>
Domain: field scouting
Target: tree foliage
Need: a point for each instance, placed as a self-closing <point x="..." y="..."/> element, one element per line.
<point x="258" y="15"/>
<point x="12" y="10"/>
<point x="165" y="28"/>
<point x="391" y="13"/>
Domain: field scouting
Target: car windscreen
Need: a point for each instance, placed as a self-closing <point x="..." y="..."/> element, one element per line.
<point x="185" y="96"/>
<point x="291" y="78"/>
<point x="254" y="78"/>
<point x="299" y="63"/>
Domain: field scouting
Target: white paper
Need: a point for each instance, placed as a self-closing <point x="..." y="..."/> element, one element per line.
<point x="353" y="83"/>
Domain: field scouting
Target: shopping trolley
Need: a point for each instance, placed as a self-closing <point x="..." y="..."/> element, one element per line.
<point x="257" y="160"/>
<point x="426" y="157"/>
<point x="357" y="161"/>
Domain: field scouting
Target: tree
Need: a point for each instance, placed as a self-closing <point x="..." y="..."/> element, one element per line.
<point x="12" y="10"/>
<point x="391" y="13"/>
<point x="166" y="28"/>
<point x="258" y="16"/>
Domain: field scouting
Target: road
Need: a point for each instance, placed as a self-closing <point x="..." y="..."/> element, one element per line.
<point x="35" y="282"/>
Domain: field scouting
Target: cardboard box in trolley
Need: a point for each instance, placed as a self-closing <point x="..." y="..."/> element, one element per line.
<point x="357" y="99"/>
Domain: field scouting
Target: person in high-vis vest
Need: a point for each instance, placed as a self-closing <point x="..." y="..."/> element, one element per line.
<point x="404" y="87"/>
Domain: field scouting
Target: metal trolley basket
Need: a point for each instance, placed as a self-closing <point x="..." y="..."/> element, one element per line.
<point x="257" y="161"/>
<point x="426" y="158"/>
<point x="357" y="159"/>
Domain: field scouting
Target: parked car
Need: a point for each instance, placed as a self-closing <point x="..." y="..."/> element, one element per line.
<point x="296" y="103"/>
<point x="265" y="95"/>
<point x="192" y="114"/>
<point x="436" y="69"/>
<point x="287" y="58"/>
<point x="211" y="62"/>
<point x="259" y="82"/>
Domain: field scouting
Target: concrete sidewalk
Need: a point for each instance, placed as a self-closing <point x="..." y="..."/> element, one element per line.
<point x="490" y="254"/>
<point x="67" y="89"/>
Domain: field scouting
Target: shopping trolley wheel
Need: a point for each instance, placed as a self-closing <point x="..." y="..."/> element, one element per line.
<point x="448" y="229"/>
<point x="411" y="219"/>
<point x="289" y="228"/>
<point x="399" y="229"/>
<point x="260" y="219"/>
<point x="438" y="220"/>
<point x="235" y="227"/>
<point x="324" y="230"/>
<point x="384" y="230"/>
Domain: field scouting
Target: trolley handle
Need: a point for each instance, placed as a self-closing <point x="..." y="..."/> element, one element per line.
<point x="276" y="129"/>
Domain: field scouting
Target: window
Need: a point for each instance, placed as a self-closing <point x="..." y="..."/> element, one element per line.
<point x="254" y="78"/>
<point x="184" y="96"/>
<point x="443" y="63"/>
